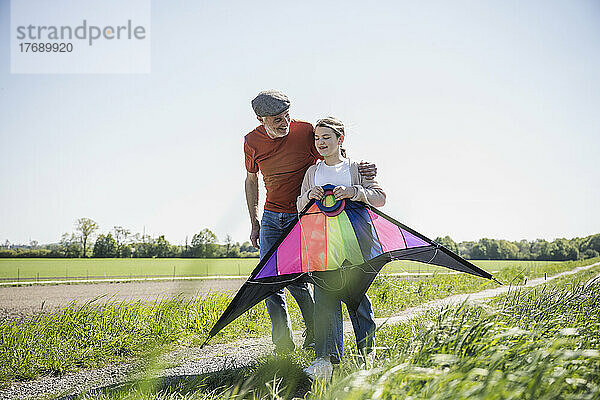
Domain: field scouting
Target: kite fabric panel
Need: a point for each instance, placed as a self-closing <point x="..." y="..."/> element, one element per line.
<point x="340" y="246"/>
<point x="322" y="243"/>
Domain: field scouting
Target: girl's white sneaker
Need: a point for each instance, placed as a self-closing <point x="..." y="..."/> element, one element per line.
<point x="321" y="368"/>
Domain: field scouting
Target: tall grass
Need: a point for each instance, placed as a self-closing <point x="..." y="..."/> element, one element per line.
<point x="530" y="344"/>
<point x="91" y="334"/>
<point x="540" y="343"/>
<point x="391" y="295"/>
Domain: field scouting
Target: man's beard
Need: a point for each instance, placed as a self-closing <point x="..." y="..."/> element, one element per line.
<point x="274" y="133"/>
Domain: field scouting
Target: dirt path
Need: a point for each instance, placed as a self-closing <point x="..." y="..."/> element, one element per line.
<point x="17" y="302"/>
<point x="191" y="362"/>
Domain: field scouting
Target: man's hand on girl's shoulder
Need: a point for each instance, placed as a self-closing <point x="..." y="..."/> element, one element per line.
<point x="367" y="169"/>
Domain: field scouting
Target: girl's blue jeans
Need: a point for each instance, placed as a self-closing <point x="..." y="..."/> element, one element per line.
<point x="329" y="329"/>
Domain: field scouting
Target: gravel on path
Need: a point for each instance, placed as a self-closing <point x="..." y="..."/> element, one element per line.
<point x="241" y="353"/>
<point x="18" y="302"/>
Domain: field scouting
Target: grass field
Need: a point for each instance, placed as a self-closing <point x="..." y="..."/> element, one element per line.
<point x="92" y="334"/>
<point x="540" y="343"/>
<point x="28" y="269"/>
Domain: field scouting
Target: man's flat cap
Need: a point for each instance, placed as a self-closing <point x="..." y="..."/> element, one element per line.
<point x="270" y="102"/>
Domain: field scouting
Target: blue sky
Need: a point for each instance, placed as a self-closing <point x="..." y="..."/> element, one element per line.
<point x="482" y="117"/>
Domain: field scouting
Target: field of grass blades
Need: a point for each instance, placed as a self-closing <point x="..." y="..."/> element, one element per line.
<point x="92" y="335"/>
<point x="540" y="343"/>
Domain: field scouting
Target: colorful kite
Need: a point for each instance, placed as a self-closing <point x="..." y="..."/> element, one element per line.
<point x="340" y="246"/>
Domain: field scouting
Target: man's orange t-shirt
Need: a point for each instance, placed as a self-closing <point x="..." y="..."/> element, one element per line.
<point x="282" y="162"/>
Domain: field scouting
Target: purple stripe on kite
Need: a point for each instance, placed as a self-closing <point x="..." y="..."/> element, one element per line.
<point x="269" y="269"/>
<point x="289" y="255"/>
<point x="388" y="233"/>
<point x="364" y="230"/>
<point x="412" y="240"/>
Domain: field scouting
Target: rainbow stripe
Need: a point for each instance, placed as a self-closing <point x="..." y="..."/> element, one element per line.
<point x="318" y="242"/>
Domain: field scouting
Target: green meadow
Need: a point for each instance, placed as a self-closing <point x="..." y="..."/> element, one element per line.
<point x="82" y="268"/>
<point x="28" y="269"/>
<point x="94" y="334"/>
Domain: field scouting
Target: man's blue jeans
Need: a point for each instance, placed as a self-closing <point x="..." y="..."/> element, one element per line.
<point x="272" y="226"/>
<point x="329" y="329"/>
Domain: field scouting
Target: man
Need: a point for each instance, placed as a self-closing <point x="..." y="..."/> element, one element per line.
<point x="282" y="149"/>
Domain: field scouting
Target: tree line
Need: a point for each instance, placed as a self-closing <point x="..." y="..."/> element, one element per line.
<point x="122" y="243"/>
<point x="539" y="249"/>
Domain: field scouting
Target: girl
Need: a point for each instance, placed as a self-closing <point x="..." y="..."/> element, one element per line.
<point x="339" y="171"/>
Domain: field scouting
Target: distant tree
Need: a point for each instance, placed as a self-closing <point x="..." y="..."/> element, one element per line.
<point x="465" y="249"/>
<point x="204" y="244"/>
<point x="235" y="251"/>
<point x="121" y="236"/>
<point x="142" y="250"/>
<point x="25" y="252"/>
<point x="247" y="250"/>
<point x="524" y="249"/>
<point x="6" y="244"/>
<point x="33" y="244"/>
<point x="105" y="246"/>
<point x="162" y="247"/>
<point x="142" y="246"/>
<point x="228" y="243"/>
<point x="540" y="250"/>
<point x="146" y="247"/>
<point x="448" y="243"/>
<point x="591" y="242"/>
<point x="492" y="249"/>
<point x="176" y="250"/>
<point x="479" y="251"/>
<point x="126" y="251"/>
<point x="562" y="250"/>
<point x="55" y="250"/>
<point x="186" y="251"/>
<point x="86" y="228"/>
<point x="7" y="253"/>
<point x="247" y="247"/>
<point x="70" y="245"/>
<point x="231" y="249"/>
<point x="507" y="250"/>
<point x="589" y="253"/>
